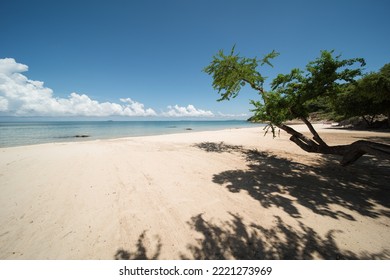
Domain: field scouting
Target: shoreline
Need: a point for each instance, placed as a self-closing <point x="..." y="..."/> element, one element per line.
<point x="15" y="135"/>
<point x="82" y="140"/>
<point x="192" y="196"/>
<point x="322" y="128"/>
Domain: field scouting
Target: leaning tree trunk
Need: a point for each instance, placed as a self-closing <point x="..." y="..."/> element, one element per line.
<point x="349" y="153"/>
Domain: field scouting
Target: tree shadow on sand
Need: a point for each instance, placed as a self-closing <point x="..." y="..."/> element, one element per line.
<point x="289" y="185"/>
<point x="284" y="183"/>
<point x="141" y="251"/>
<point x="233" y="239"/>
<point x="220" y="147"/>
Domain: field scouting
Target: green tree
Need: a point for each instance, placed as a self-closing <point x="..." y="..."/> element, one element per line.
<point x="292" y="95"/>
<point x="367" y="98"/>
<point x="376" y="86"/>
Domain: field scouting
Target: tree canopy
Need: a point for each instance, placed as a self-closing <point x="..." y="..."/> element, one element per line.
<point x="293" y="95"/>
<point x="367" y="98"/>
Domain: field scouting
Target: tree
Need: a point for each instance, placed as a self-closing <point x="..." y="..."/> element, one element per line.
<point x="292" y="96"/>
<point x="367" y="98"/>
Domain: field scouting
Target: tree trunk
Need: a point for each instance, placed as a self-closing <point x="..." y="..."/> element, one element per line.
<point x="388" y="119"/>
<point x="349" y="153"/>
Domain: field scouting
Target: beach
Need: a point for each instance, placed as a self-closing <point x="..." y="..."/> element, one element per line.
<point x="228" y="194"/>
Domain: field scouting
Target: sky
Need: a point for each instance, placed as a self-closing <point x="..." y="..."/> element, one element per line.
<point x="143" y="59"/>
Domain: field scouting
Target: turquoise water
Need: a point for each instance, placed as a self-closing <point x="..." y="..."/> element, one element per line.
<point x="28" y="133"/>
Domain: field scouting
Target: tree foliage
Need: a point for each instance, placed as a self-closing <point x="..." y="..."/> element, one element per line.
<point x="293" y="95"/>
<point x="231" y="72"/>
<point x="367" y="98"/>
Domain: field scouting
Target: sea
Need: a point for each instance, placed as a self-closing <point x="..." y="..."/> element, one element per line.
<point x="38" y="132"/>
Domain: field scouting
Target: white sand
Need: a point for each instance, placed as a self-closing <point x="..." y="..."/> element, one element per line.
<point x="189" y="196"/>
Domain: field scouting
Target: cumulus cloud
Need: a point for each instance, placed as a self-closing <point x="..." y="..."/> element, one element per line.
<point x="9" y="66"/>
<point x="20" y="96"/>
<point x="3" y="104"/>
<point x="136" y="108"/>
<point x="189" y="111"/>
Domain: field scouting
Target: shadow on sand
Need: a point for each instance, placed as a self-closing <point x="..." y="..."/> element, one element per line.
<point x="141" y="252"/>
<point x="233" y="239"/>
<point x="276" y="181"/>
<point x="283" y="183"/>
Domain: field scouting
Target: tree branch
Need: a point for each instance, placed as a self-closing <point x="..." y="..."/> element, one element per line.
<point x="316" y="136"/>
<point x="301" y="140"/>
<point x="357" y="149"/>
<point x="254" y="87"/>
<point x="350" y="152"/>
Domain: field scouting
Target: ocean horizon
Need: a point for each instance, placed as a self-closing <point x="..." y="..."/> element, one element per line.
<point x="21" y="133"/>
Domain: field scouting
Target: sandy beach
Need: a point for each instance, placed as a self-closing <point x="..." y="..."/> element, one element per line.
<point x="231" y="194"/>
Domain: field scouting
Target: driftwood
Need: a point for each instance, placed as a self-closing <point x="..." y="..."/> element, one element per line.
<point x="349" y="153"/>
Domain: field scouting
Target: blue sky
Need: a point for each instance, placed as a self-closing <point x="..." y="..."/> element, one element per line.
<point x="144" y="59"/>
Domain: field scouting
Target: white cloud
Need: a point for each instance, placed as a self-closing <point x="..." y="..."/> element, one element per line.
<point x="136" y="108"/>
<point x="20" y="96"/>
<point x="3" y="104"/>
<point x="189" y="111"/>
<point x="232" y="115"/>
<point x="9" y="66"/>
